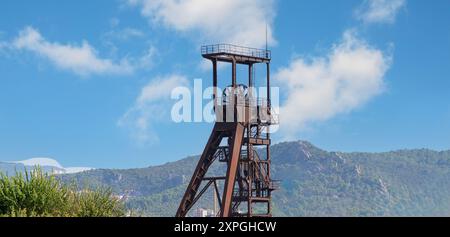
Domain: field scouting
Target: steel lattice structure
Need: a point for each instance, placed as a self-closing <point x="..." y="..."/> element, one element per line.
<point x="241" y="132"/>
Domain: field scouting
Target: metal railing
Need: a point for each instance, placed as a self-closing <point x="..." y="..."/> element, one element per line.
<point x="237" y="50"/>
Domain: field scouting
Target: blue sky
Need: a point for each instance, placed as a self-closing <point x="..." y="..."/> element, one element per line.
<point x="75" y="74"/>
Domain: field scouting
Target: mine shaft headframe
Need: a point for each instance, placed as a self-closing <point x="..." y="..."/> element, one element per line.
<point x="247" y="179"/>
<point x="241" y="55"/>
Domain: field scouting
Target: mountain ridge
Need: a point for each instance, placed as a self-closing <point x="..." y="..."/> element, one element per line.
<point x="314" y="182"/>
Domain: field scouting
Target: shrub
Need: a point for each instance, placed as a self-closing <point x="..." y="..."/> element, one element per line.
<point x="35" y="193"/>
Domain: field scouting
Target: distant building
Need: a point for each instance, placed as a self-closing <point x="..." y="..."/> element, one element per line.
<point x="201" y="212"/>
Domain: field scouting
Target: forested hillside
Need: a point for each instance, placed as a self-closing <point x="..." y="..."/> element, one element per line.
<point x="314" y="182"/>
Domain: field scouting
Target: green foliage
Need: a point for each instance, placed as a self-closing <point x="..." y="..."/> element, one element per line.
<point x="161" y="204"/>
<point x="35" y="193"/>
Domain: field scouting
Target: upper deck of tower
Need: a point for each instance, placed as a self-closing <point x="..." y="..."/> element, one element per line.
<point x="242" y="55"/>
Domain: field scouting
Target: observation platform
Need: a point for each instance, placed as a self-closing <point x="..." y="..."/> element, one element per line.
<point x="241" y="55"/>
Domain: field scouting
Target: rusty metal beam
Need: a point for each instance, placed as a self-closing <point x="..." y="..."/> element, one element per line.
<point x="232" y="169"/>
<point x="268" y="85"/>
<point x="200" y="194"/>
<point x="214" y="62"/>
<point x="216" y="188"/>
<point x="200" y="171"/>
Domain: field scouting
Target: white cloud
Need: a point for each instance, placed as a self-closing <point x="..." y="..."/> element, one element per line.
<point x="128" y="33"/>
<point x="229" y="21"/>
<point x="3" y="44"/>
<point x="147" y="60"/>
<point x="119" y="35"/>
<point x="57" y="168"/>
<point x="152" y="105"/>
<point x="379" y="11"/>
<point x="323" y="87"/>
<point x="82" y="59"/>
<point x="124" y="34"/>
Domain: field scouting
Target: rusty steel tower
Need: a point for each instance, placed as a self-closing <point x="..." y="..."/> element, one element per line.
<point x="240" y="139"/>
